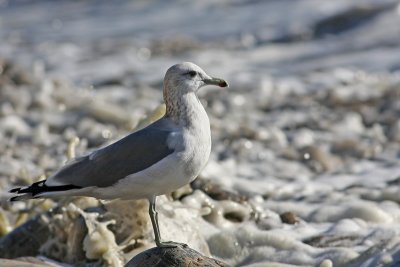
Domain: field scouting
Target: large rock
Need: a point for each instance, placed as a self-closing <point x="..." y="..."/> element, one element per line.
<point x="180" y="256"/>
<point x="24" y="262"/>
<point x="27" y="239"/>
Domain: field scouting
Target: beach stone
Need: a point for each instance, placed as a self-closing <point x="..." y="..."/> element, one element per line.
<point x="173" y="257"/>
<point x="320" y="159"/>
<point x="216" y="191"/>
<point x="24" y="262"/>
<point x="27" y="239"/>
<point x="289" y="218"/>
<point x="15" y="125"/>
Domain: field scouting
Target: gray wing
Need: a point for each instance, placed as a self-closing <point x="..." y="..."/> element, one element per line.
<point x="131" y="154"/>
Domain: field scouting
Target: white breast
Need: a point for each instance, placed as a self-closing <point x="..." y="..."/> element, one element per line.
<point x="198" y="147"/>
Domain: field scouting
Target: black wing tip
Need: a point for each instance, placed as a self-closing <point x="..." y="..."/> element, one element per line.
<point x="13" y="199"/>
<point x="35" y="189"/>
<point x="14" y="190"/>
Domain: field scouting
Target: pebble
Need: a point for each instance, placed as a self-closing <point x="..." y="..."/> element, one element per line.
<point x="13" y="124"/>
<point x="289" y="218"/>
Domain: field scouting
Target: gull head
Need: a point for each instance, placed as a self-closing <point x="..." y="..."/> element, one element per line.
<point x="188" y="77"/>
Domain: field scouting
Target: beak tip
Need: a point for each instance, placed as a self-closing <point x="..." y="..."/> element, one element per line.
<point x="223" y="84"/>
<point x="216" y="81"/>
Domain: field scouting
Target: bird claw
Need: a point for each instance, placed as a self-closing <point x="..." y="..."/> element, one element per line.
<point x="170" y="244"/>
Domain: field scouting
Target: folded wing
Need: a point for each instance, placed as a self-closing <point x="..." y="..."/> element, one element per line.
<point x="106" y="166"/>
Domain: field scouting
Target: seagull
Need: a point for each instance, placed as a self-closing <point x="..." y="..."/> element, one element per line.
<point x="153" y="161"/>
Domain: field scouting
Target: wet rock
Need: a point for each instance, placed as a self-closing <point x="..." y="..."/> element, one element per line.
<point x="59" y="234"/>
<point x="27" y="239"/>
<point x="355" y="148"/>
<point x="289" y="218"/>
<point x="216" y="192"/>
<point x="319" y="159"/>
<point x="11" y="73"/>
<point x="333" y="240"/>
<point x="131" y="219"/>
<point x="25" y="262"/>
<point x="181" y="256"/>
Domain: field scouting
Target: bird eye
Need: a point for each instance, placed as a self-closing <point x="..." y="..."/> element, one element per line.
<point x="192" y="73"/>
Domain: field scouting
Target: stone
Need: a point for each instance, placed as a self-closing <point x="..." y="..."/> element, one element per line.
<point x="180" y="256"/>
<point x="289" y="218"/>
<point x="24" y="262"/>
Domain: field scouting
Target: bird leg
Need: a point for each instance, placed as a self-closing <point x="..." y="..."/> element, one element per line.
<point x="154" y="221"/>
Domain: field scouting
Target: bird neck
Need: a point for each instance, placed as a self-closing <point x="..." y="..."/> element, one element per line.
<point x="185" y="109"/>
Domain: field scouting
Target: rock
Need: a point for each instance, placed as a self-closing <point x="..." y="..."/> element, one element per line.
<point x="11" y="73"/>
<point x="35" y="232"/>
<point x="44" y="235"/>
<point x="319" y="159"/>
<point x="24" y="262"/>
<point x="173" y="257"/>
<point x="216" y="191"/>
<point x="131" y="219"/>
<point x="15" y="125"/>
<point x="353" y="147"/>
<point x="289" y="218"/>
<point x="322" y="241"/>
